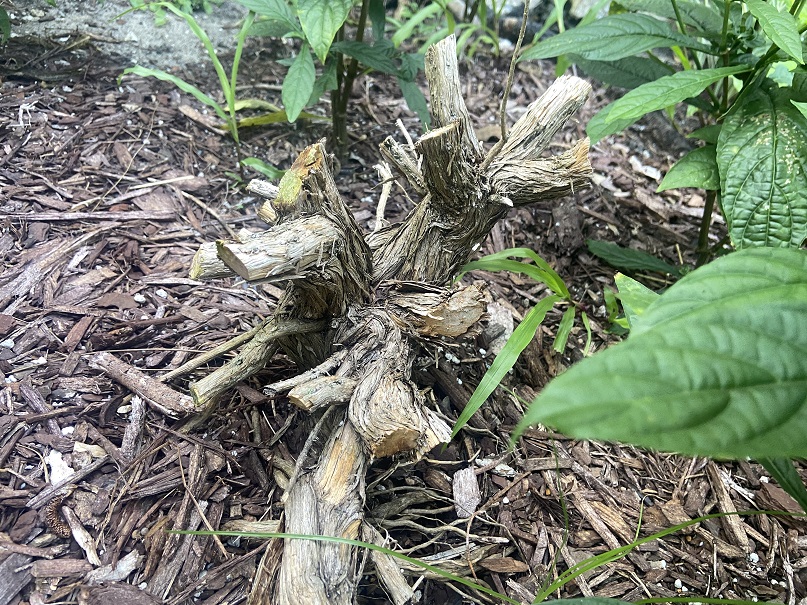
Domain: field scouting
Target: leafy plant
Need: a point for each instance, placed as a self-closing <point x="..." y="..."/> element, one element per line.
<point x="740" y="69"/>
<point x="322" y="27"/>
<point x="716" y="366"/>
<point x="227" y="112"/>
<point x="541" y="272"/>
<point x="5" y="26"/>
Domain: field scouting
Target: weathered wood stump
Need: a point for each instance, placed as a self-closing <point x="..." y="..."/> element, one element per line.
<point x="355" y="307"/>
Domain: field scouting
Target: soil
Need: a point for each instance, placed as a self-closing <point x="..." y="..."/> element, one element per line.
<point x="106" y="192"/>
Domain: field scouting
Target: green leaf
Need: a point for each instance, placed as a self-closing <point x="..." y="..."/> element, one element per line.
<point x="667" y="91"/>
<point x="779" y="26"/>
<point x="611" y="38"/>
<point x="698" y="168"/>
<point x="278" y="11"/>
<point x="629" y="72"/>
<point x="629" y="259"/>
<point x="265" y="169"/>
<point x="5" y="26"/>
<point x="716" y="367"/>
<point x="378" y="17"/>
<point x="321" y="19"/>
<point x="564" y="329"/>
<point x="635" y="297"/>
<point x="273" y="29"/>
<point x="407" y="29"/>
<point x="599" y="126"/>
<point x="378" y="58"/>
<point x="506" y="359"/>
<point x="325" y="81"/>
<point x="415" y="100"/>
<point x="540" y="271"/>
<point x="298" y="83"/>
<point x="181" y="84"/>
<point x="802" y="107"/>
<point x="694" y="14"/>
<point x="788" y="477"/>
<point x="763" y="179"/>
<point x="708" y="134"/>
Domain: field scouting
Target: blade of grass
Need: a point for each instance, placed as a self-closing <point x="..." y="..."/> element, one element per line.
<point x="564" y="329"/>
<point x="506" y="359"/>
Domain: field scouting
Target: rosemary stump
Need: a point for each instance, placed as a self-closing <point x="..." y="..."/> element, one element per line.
<point x="356" y="305"/>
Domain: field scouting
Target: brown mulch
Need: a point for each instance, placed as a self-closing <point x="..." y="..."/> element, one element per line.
<point x="107" y="190"/>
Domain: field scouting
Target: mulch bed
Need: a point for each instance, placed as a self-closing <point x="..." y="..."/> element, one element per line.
<point x="107" y="190"/>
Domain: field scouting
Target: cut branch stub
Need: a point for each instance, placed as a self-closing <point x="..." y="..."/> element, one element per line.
<point x="296" y="249"/>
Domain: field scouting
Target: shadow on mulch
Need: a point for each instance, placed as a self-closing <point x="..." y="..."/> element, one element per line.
<point x="108" y="190"/>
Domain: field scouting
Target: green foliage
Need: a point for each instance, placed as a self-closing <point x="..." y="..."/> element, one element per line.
<point x="716" y="366"/>
<point x="740" y="67"/>
<point x="628" y="258"/>
<point x="762" y="157"/>
<point x="5" y="26"/>
<point x="226" y="112"/>
<point x="541" y="272"/>
<point x="698" y="168"/>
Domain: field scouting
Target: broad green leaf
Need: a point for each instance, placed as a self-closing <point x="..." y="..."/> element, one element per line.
<point x="698" y="168"/>
<point x="599" y="126"/>
<point x="788" y="477"/>
<point x="275" y="10"/>
<point x="781" y="72"/>
<point x="265" y="169"/>
<point x="321" y="19"/>
<point x="667" y="91"/>
<point x="629" y="259"/>
<point x="611" y="38"/>
<point x="695" y="14"/>
<point x="377" y="58"/>
<point x="716" y="367"/>
<point x="763" y="177"/>
<point x="378" y="17"/>
<point x="325" y="81"/>
<point x="802" y="107"/>
<point x="415" y="100"/>
<point x="707" y="134"/>
<point x="273" y="29"/>
<point x="564" y="329"/>
<point x="629" y="72"/>
<point x="298" y="83"/>
<point x="5" y="26"/>
<point x="179" y="83"/>
<point x="779" y="26"/>
<point x="635" y="297"/>
<point x="506" y="359"/>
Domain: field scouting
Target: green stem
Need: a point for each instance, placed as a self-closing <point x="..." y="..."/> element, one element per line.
<point x="724" y="51"/>
<point x="683" y="31"/>
<point x="706" y="222"/>
<point x="346" y="86"/>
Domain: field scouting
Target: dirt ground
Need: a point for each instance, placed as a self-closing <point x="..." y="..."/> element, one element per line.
<point x="106" y="192"/>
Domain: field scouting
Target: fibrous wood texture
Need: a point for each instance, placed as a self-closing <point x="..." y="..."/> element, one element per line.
<point x="356" y="305"/>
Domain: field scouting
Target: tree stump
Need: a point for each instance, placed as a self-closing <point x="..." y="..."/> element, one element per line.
<point x="356" y="305"/>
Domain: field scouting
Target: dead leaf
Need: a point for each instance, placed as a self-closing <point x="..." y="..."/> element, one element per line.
<point x="505" y="565"/>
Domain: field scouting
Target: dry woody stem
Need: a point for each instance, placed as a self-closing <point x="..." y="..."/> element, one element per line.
<point x="356" y="306"/>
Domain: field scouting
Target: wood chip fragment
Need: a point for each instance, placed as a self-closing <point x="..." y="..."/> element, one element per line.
<point x="466" y="492"/>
